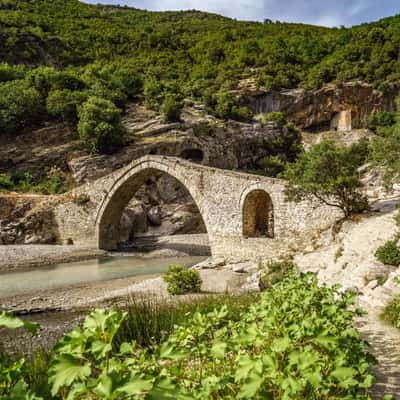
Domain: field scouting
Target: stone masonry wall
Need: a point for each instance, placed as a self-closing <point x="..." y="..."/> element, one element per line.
<point x="92" y="215"/>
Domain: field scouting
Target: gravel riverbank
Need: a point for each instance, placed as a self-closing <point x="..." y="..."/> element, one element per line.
<point x="24" y="257"/>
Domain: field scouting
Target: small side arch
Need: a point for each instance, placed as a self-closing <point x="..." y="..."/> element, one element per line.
<point x="258" y="215"/>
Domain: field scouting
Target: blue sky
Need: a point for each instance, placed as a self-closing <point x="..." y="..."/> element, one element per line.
<point x="318" y="12"/>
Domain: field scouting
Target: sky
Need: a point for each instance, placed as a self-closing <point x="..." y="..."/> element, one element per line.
<point x="317" y="12"/>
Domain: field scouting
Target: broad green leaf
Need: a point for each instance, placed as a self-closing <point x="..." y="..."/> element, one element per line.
<point x="136" y="386"/>
<point x="9" y="321"/>
<point x="218" y="350"/>
<point x="65" y="369"/>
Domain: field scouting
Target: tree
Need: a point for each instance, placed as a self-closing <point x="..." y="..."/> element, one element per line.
<point x="100" y="125"/>
<point x="329" y="174"/>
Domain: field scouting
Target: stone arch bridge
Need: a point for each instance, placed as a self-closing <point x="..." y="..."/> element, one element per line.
<point x="246" y="215"/>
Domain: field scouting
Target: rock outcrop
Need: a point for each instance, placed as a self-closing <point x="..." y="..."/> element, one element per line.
<point x="26" y="220"/>
<point x="333" y="107"/>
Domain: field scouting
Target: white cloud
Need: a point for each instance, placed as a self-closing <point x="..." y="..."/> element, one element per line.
<point x="319" y="12"/>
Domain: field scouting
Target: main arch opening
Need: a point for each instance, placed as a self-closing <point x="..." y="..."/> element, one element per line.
<point x="146" y="210"/>
<point x="258" y="215"/>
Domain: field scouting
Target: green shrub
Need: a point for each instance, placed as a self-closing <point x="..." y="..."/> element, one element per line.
<point x="152" y="90"/>
<point x="271" y="166"/>
<point x="64" y="103"/>
<point x="391" y="313"/>
<point x="278" y="118"/>
<point x="389" y="253"/>
<point x="182" y="281"/>
<point x="275" y="271"/>
<point x="100" y="126"/>
<point x="5" y="182"/>
<point x="171" y="109"/>
<point x="21" y="106"/>
<point x="227" y="107"/>
<point x="380" y="119"/>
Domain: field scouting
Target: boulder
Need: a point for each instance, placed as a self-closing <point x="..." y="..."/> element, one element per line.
<point x="154" y="216"/>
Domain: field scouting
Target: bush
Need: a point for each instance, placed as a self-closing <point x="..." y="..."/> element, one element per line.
<point x="389" y="253"/>
<point x="5" y="182"/>
<point x="152" y="90"/>
<point x="391" y="313"/>
<point x="271" y="166"/>
<point x="21" y="106"/>
<point x="182" y="281"/>
<point x="100" y="126"/>
<point x="171" y="109"/>
<point x="227" y="108"/>
<point x="64" y="104"/>
<point x="275" y="271"/>
<point x="380" y="119"/>
<point x="296" y="341"/>
<point x="278" y="118"/>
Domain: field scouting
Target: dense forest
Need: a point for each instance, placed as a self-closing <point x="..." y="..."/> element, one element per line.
<point x="56" y="54"/>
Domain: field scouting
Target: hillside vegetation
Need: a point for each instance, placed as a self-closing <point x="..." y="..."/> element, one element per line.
<point x="57" y="54"/>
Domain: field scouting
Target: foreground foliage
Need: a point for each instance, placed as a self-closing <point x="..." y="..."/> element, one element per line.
<point x="297" y="341"/>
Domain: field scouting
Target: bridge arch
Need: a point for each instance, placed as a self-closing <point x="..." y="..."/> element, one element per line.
<point x="257" y="214"/>
<point x="124" y="187"/>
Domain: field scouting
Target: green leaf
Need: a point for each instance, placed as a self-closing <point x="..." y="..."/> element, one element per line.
<point x="136" y="386"/>
<point x="66" y="369"/>
<point x="104" y="389"/>
<point x="7" y="320"/>
<point x="280" y="344"/>
<point x="218" y="350"/>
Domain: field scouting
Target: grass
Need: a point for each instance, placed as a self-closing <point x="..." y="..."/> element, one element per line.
<point x="150" y="320"/>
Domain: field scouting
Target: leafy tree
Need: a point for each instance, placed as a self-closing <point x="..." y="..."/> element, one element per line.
<point x="327" y="173"/>
<point x="100" y="125"/>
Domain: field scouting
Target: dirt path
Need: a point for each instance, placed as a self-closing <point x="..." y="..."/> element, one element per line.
<point x="348" y="258"/>
<point x="385" y="346"/>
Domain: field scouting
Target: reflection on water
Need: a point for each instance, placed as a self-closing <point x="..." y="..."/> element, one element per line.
<point x="86" y="271"/>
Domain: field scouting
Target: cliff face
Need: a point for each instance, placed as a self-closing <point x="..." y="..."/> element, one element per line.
<point x="333" y="107"/>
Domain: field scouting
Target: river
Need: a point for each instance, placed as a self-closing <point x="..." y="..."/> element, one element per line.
<point x="95" y="270"/>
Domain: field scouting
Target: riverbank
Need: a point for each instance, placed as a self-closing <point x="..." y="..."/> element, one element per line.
<point x="26" y="257"/>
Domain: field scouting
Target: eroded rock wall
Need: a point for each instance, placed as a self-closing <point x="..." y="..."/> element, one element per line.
<point x="338" y="107"/>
